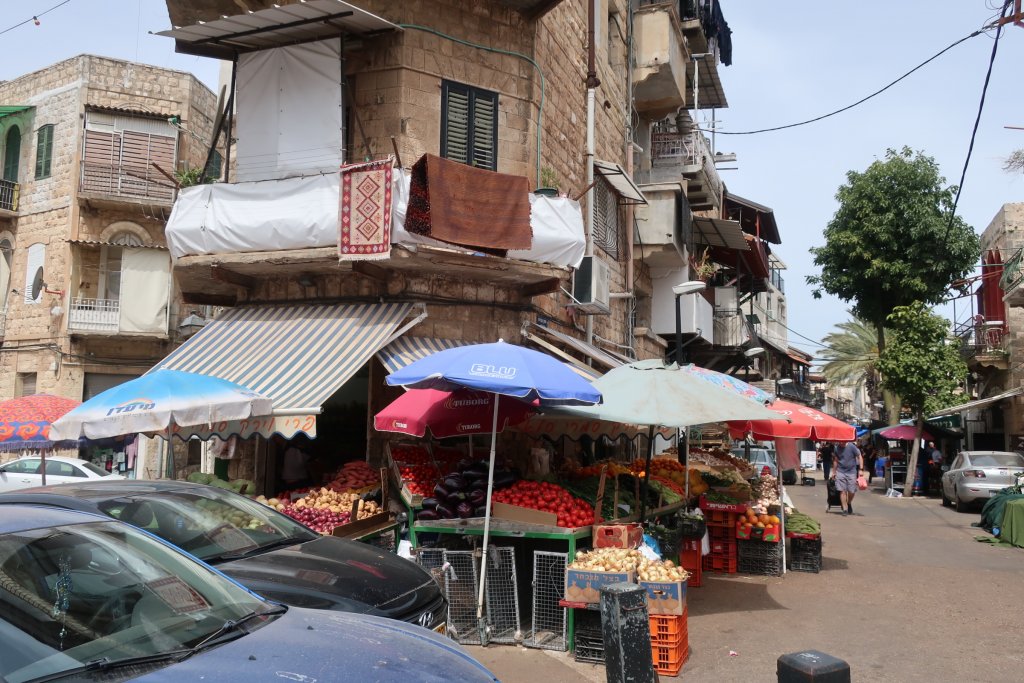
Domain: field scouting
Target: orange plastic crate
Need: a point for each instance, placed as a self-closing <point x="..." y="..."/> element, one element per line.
<point x="669" y="659"/>
<point x="720" y="563"/>
<point x="690" y="560"/>
<point x="669" y="630"/>
<point x="720" y="518"/>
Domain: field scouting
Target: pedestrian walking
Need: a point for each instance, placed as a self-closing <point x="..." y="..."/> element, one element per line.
<point x="870" y="458"/>
<point x="848" y="464"/>
<point x="828" y="452"/>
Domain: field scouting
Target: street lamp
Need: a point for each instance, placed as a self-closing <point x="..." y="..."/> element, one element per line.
<point x="680" y="290"/>
<point x="781" y="382"/>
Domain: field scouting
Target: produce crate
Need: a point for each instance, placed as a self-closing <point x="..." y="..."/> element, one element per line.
<point x="805" y="555"/>
<point x="669" y="630"/>
<point x="690" y="560"/>
<point x="724" y="532"/>
<point x="723" y="547"/>
<point x="669" y="659"/>
<point x="665" y="597"/>
<point x="589" y="646"/>
<point x="584" y="585"/>
<point x="763" y="559"/>
<point x="769" y="534"/>
<point x="720" y="518"/>
<point x="719" y="563"/>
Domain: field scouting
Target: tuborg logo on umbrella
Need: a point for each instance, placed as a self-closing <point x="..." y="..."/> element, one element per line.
<point x="452" y="403"/>
<point x="132" y="406"/>
<point x="493" y="371"/>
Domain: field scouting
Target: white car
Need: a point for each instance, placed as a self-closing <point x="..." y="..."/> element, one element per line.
<point x="27" y="472"/>
<point x="762" y="459"/>
<point x="976" y="476"/>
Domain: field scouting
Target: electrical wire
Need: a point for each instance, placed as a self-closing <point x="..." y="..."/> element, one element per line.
<point x="34" y="17"/>
<point x="977" y="122"/>
<point x="858" y="102"/>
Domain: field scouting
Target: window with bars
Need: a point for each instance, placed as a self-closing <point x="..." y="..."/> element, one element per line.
<point x="25" y="384"/>
<point x="607" y="229"/>
<point x="469" y="125"/>
<point x="44" y="151"/>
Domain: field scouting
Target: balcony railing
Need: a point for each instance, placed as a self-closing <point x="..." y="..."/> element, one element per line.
<point x="128" y="182"/>
<point x="692" y="152"/>
<point x="776" y="278"/>
<point x="800" y="392"/>
<point x="94" y="315"/>
<point x="981" y="337"/>
<point x="9" y="191"/>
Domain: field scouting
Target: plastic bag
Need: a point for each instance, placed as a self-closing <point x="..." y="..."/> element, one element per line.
<point x="862" y="483"/>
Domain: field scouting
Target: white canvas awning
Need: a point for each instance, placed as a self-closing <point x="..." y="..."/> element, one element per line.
<point x="979" y="403"/>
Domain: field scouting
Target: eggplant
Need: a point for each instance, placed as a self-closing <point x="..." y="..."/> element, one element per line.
<point x="457" y="497"/>
<point x="478" y="467"/>
<point x="455" y="482"/>
<point x="503" y="479"/>
<point x="477" y="496"/>
<point x="463" y="465"/>
<point x="430" y="503"/>
<point x="426" y="515"/>
<point x="464" y="510"/>
<point x="474" y="478"/>
<point x="481" y="511"/>
<point x="441" y="493"/>
<point x="445" y="511"/>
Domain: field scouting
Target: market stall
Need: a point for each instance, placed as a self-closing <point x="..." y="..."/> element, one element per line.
<point x="26" y="422"/>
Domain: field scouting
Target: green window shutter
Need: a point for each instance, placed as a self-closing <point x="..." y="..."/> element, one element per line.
<point x="44" y="151"/>
<point x="469" y="125"/>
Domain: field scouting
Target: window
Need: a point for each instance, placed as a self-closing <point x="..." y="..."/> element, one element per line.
<point x="110" y="264"/>
<point x="469" y="125"/>
<point x="56" y="468"/>
<point x="22" y="466"/>
<point x="606" y="218"/>
<point x="25" y="384"/>
<point x="44" y="151"/>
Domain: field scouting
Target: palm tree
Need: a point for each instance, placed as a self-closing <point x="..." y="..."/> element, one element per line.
<point x="851" y="354"/>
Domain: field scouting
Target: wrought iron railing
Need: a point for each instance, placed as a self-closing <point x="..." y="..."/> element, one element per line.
<point x="1012" y="271"/>
<point x="981" y="337"/>
<point x="94" y="315"/>
<point x="133" y="182"/>
<point x="9" y="191"/>
<point x="689" y="150"/>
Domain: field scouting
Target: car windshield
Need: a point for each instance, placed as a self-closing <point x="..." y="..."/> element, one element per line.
<point x="98" y="471"/>
<point x="997" y="460"/>
<point x="103" y="592"/>
<point x="208" y="522"/>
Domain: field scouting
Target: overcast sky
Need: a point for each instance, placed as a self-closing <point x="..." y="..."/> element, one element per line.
<point x="792" y="61"/>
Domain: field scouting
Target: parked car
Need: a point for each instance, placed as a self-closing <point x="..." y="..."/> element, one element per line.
<point x="975" y="476"/>
<point x="760" y="458"/>
<point x="263" y="549"/>
<point x="84" y="597"/>
<point x="27" y="472"/>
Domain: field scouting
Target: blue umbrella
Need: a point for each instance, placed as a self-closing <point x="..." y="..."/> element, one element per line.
<point x="503" y="370"/>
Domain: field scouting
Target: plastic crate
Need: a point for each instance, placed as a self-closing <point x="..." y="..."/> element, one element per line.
<point x="589" y="646"/>
<point x="804" y="555"/>
<point x="725" y="533"/>
<point x="726" y="547"/>
<point x="762" y="559"/>
<point x="690" y="560"/>
<point x="720" y="518"/>
<point x="669" y="630"/>
<point x="719" y="563"/>
<point x="669" y="659"/>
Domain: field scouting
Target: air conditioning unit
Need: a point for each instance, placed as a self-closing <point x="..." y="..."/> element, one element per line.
<point x="592" y="287"/>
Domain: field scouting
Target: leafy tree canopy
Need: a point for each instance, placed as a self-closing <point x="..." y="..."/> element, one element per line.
<point x="919" y="363"/>
<point x="887" y="244"/>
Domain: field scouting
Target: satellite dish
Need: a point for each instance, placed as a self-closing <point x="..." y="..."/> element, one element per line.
<point x="37" y="284"/>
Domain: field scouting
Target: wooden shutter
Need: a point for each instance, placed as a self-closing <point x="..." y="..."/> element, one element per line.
<point x="99" y="161"/>
<point x="139" y="151"/>
<point x="44" y="151"/>
<point x="469" y="125"/>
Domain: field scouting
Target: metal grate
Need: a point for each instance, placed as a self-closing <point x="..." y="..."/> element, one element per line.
<point x="606" y="218"/>
<point x="432" y="562"/>
<point x="548" y="625"/>
<point x="460" y="588"/>
<point x="502" y="597"/>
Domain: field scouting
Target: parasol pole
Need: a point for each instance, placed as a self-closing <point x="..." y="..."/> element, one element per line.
<point x="42" y="456"/>
<point x="647" y="471"/>
<point x="481" y="624"/>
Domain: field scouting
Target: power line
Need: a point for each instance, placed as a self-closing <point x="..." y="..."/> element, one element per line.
<point x="977" y="121"/>
<point x="860" y="101"/>
<point x="34" y="17"/>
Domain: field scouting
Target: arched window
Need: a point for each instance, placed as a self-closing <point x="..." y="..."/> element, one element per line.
<point x="110" y="263"/>
<point x="12" y="154"/>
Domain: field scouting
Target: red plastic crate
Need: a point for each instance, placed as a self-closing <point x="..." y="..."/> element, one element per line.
<point x="723" y="547"/>
<point x="669" y="630"/>
<point x="723" y="532"/>
<point x="690" y="544"/>
<point x="690" y="560"/>
<point x="669" y="659"/>
<point x="720" y="518"/>
<point x="718" y="563"/>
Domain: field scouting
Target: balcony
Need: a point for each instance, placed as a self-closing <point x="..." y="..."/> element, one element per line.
<point x="659" y="71"/>
<point x="122" y="183"/>
<point x="696" y="312"/>
<point x="94" y="315"/>
<point x="984" y="343"/>
<point x="1013" y="279"/>
<point x="688" y="155"/>
<point x="9" y="191"/>
<point x="799" y="393"/>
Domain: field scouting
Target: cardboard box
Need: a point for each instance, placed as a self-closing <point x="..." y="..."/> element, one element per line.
<point x="665" y="597"/>
<point x="628" y="536"/>
<point x="770" y="534"/>
<point x="584" y="585"/>
<point x="516" y="513"/>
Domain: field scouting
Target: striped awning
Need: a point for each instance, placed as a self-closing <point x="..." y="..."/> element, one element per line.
<point x="296" y="355"/>
<point x="406" y="350"/>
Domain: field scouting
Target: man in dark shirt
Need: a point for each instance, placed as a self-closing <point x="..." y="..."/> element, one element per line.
<point x="848" y="464"/>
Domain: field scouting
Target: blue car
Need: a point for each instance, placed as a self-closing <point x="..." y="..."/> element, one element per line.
<point x="84" y="597"/>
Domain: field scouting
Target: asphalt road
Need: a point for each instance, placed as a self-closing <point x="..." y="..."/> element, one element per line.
<point x="905" y="594"/>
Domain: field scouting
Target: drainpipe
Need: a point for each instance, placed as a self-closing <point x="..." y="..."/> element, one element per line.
<point x="592" y="83"/>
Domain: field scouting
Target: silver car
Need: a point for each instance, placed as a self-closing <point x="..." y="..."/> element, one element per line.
<point x="760" y="458"/>
<point x="975" y="476"/>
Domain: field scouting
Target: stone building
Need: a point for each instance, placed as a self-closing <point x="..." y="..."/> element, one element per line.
<point x="85" y="289"/>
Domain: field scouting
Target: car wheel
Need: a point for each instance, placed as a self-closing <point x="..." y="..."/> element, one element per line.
<point x="961" y="506"/>
<point x="946" y="502"/>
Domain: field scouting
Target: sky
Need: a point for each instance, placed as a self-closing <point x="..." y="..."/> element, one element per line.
<point x="792" y="61"/>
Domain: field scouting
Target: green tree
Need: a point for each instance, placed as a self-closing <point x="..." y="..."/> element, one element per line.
<point x="922" y="365"/>
<point x="851" y="359"/>
<point x="891" y="241"/>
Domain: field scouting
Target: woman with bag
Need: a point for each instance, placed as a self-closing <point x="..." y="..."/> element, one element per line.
<point x="848" y="465"/>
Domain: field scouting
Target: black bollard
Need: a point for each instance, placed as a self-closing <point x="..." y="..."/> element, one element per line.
<point x="811" y="666"/>
<point x="627" y="634"/>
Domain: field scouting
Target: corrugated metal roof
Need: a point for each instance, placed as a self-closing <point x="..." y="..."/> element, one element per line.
<point x="719" y="232"/>
<point x="275" y="27"/>
<point x="101" y="243"/>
